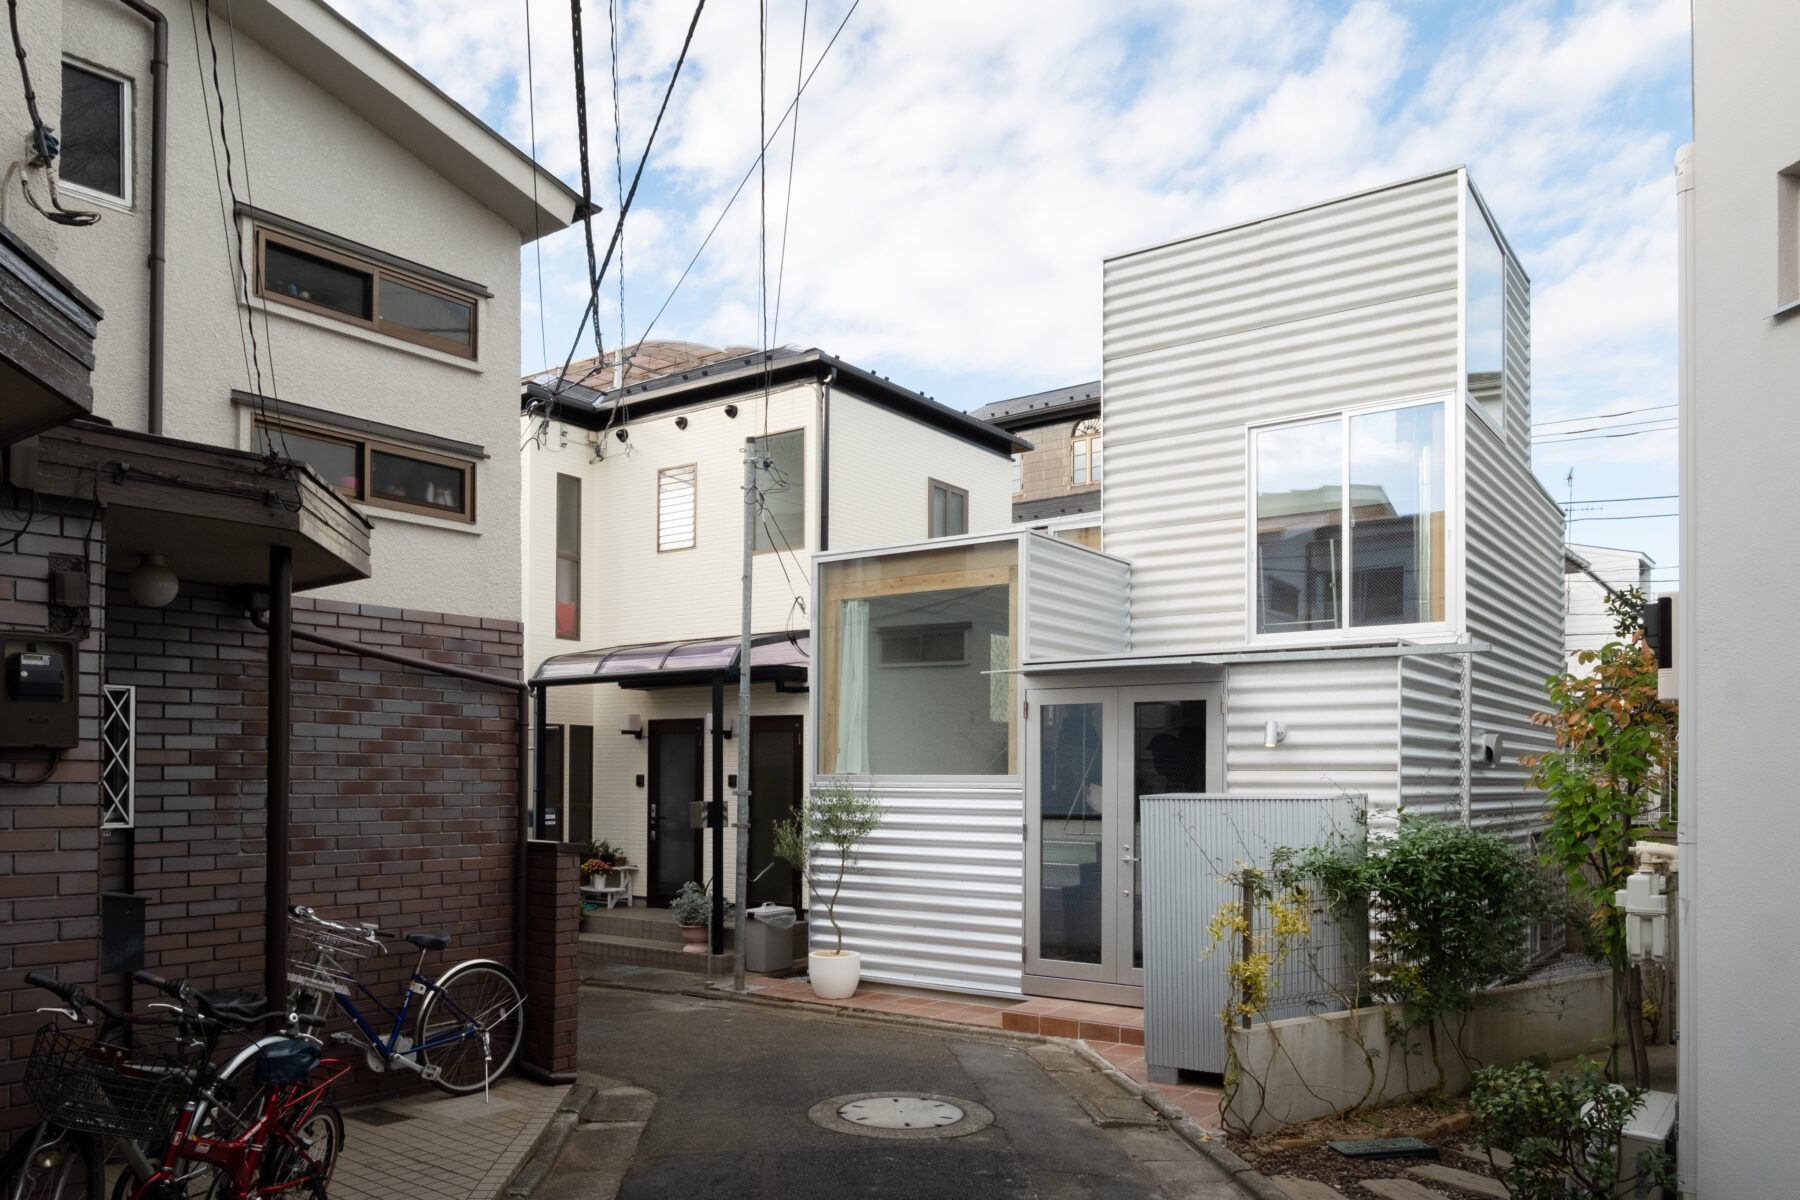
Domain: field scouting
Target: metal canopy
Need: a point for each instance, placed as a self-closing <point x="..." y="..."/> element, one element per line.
<point x="781" y="657"/>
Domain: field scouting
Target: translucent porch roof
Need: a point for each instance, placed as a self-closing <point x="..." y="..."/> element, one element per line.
<point x="781" y="657"/>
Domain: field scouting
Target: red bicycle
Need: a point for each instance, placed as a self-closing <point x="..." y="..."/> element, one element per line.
<point x="291" y="1139"/>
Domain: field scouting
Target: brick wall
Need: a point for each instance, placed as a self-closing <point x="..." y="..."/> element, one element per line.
<point x="551" y="975"/>
<point x="49" y="832"/>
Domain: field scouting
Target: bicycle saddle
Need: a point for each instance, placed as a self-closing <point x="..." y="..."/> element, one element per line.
<point x="430" y="939"/>
<point x="235" y="1006"/>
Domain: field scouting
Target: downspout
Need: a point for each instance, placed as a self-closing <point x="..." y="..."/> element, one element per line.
<point x="159" y="195"/>
<point x="825" y="461"/>
<point x="280" y="764"/>
<point x="522" y="775"/>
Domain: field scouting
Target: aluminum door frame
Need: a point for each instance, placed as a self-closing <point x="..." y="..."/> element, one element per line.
<point x="655" y="890"/>
<point x="1053" y="976"/>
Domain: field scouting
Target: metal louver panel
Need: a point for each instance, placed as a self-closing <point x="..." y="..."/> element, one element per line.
<point x="118" y="756"/>
<point x="675" y="487"/>
<point x="1190" y="843"/>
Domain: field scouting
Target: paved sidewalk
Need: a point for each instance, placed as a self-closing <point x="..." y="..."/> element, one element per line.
<point x="438" y="1147"/>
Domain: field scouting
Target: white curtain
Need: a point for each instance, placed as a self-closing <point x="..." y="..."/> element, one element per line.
<point x="853" y="690"/>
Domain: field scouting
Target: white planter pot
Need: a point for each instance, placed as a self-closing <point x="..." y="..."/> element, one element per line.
<point x="834" y="975"/>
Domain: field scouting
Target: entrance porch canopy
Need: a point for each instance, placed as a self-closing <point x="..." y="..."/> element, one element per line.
<point x="774" y="657"/>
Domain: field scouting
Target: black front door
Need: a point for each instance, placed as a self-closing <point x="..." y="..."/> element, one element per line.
<point x="675" y="786"/>
<point x="775" y="771"/>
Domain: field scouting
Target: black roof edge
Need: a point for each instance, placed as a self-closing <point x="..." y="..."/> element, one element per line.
<point x="1067" y="410"/>
<point x="749" y="377"/>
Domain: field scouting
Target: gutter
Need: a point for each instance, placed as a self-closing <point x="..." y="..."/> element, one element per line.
<point x="522" y="774"/>
<point x="159" y="195"/>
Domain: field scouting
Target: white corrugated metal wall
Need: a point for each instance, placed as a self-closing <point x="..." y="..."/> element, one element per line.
<point x="1076" y="602"/>
<point x="1347" y="303"/>
<point x="1432" y="755"/>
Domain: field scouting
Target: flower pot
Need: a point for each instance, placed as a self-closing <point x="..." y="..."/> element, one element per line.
<point x="694" y="937"/>
<point x="834" y="973"/>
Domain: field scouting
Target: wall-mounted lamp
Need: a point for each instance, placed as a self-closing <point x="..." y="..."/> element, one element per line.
<point x="730" y="725"/>
<point x="153" y="585"/>
<point x="1274" y="733"/>
<point x="631" y="725"/>
<point x="681" y="422"/>
<point x="731" y="411"/>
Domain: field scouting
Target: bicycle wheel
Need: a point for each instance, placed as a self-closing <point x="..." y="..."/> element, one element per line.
<point x="320" y="1134"/>
<point x="48" y="1162"/>
<point x="475" y="999"/>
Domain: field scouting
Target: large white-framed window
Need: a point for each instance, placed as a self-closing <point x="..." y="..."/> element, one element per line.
<point x="95" y="157"/>
<point x="1484" y="315"/>
<point x="1348" y="522"/>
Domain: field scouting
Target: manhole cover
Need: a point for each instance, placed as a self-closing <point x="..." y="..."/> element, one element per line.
<point x="901" y="1112"/>
<point x="900" y="1115"/>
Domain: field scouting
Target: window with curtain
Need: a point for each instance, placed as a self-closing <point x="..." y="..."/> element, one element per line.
<point x="1380" y="477"/>
<point x="568" y="556"/>
<point x="781" y="525"/>
<point x="675" y="500"/>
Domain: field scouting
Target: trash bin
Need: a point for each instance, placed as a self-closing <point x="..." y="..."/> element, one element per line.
<point x="769" y="939"/>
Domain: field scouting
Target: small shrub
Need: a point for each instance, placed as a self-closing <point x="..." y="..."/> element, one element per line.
<point x="839" y="818"/>
<point x="692" y="905"/>
<point x="1563" y="1133"/>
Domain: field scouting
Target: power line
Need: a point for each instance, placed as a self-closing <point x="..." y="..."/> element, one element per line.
<point x="612" y="21"/>
<point x="1636" y="517"/>
<point x="537" y="233"/>
<point x="1619" y="499"/>
<point x="581" y="138"/>
<point x="1603" y="416"/>
<point x="1670" y="421"/>
<point x="593" y="302"/>
<point x="1671" y="428"/>
<point x="793" y="145"/>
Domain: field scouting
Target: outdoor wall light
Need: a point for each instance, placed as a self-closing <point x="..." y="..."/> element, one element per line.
<point x="631" y="725"/>
<point x="730" y="724"/>
<point x="731" y="410"/>
<point x="681" y="422"/>
<point x="153" y="585"/>
<point x="1274" y="733"/>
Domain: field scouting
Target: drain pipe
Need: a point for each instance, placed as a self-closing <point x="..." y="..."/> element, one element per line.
<point x="159" y="195"/>
<point x="825" y="460"/>
<point x="523" y="773"/>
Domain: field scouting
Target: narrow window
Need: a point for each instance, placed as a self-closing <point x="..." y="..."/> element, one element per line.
<point x="1018" y="465"/>
<point x="118" y="756"/>
<point x="341" y="285"/>
<point x="781" y="484"/>
<point x="1299" y="526"/>
<point x="1484" y="316"/>
<point x="949" y="510"/>
<point x="379" y="474"/>
<point x="568" y="556"/>
<point x="1084" y="451"/>
<point x="96" y="133"/>
<point x="675" y="508"/>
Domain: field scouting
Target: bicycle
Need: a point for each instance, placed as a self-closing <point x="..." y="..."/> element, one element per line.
<point x="470" y="1021"/>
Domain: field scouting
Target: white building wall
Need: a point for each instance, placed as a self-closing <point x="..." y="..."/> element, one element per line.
<point x="1348" y="303"/>
<point x="1433" y="749"/>
<point x="1587" y="625"/>
<point x="306" y="156"/>
<point x="1076" y="602"/>
<point x="1739" y="438"/>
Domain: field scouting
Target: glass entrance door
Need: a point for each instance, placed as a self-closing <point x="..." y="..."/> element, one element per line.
<point x="1092" y="754"/>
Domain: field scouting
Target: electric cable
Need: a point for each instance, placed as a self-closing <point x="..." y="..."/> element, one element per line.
<point x="1597" y="436"/>
<point x="43" y="143"/>
<point x="218" y="182"/>
<point x="537" y="232"/>
<point x="793" y="146"/>
<point x="1601" y="428"/>
<point x="1603" y="416"/>
<point x="612" y="21"/>
<point x="587" y="198"/>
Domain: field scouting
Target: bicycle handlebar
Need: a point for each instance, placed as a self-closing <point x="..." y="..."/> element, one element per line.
<point x="184" y="993"/>
<point x="75" y="996"/>
<point x="301" y="912"/>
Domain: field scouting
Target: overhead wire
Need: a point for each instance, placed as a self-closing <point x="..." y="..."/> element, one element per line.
<point x="218" y="176"/>
<point x="587" y="198"/>
<point x="1668" y="421"/>
<point x="793" y="146"/>
<point x="1598" y="436"/>
<point x="612" y="20"/>
<point x="537" y="232"/>
<point x="1628" y="412"/>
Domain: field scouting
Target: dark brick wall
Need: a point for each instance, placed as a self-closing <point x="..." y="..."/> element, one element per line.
<point x="551" y="975"/>
<point x="49" y="832"/>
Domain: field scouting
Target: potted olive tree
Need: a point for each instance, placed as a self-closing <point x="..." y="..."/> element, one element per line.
<point x="693" y="910"/>
<point x="836" y="821"/>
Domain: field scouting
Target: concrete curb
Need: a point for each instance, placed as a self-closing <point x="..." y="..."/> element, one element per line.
<point x="867" y="1016"/>
<point x="536" y="1166"/>
<point x="1213" y="1148"/>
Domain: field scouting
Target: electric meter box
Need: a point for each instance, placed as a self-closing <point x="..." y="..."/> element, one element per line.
<point x="39" y="705"/>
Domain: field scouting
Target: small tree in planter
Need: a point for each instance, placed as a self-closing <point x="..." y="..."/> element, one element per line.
<point x="693" y="910"/>
<point x="839" y="818"/>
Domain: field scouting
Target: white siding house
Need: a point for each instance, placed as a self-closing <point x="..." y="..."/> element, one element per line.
<point x="1592" y="575"/>
<point x="647" y="482"/>
<point x="1337" y="570"/>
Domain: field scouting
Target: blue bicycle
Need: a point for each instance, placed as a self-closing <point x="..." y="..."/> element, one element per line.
<point x="470" y="1021"/>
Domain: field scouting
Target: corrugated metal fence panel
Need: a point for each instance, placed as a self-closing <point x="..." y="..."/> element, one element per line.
<point x="1342" y="719"/>
<point x="938" y="897"/>
<point x="1190" y="842"/>
<point x="1343" y="304"/>
<point x="1077" y="601"/>
<point x="1515" y="604"/>
<point x="1432" y="756"/>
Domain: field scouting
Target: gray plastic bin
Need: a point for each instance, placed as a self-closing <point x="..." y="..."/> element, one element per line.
<point x="769" y="939"/>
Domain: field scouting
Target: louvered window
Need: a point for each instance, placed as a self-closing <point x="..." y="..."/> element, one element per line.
<point x="675" y="490"/>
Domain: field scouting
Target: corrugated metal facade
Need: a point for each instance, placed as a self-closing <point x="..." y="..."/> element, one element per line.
<point x="1076" y="601"/>
<point x="938" y="898"/>
<point x="1433" y="754"/>
<point x="1348" y="303"/>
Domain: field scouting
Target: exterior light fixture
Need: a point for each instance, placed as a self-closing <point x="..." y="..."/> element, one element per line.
<point x="731" y="410"/>
<point x="153" y="585"/>
<point x="631" y="725"/>
<point x="1274" y="733"/>
<point x="729" y="725"/>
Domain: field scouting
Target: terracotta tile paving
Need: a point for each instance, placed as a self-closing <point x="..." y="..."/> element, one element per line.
<point x="1114" y="1032"/>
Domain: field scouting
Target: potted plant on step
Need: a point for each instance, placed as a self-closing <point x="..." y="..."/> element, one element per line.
<point x="692" y="908"/>
<point x="837" y="821"/>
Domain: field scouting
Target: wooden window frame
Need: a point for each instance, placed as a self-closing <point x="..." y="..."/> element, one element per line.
<point x="555" y="598"/>
<point x="376" y="273"/>
<point x="931" y="485"/>
<point x="365" y="448"/>
<point x="694" y="542"/>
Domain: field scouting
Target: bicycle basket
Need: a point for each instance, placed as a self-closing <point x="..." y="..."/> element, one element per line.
<point x="291" y="1061"/>
<point x="88" y="1085"/>
<point x="321" y="958"/>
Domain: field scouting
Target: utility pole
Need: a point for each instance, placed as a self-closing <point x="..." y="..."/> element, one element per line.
<point x="742" y="824"/>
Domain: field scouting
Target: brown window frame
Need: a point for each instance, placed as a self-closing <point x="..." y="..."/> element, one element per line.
<point x="561" y="557"/>
<point x="694" y="533"/>
<point x="932" y="485"/>
<point x="376" y="272"/>
<point x="268" y="433"/>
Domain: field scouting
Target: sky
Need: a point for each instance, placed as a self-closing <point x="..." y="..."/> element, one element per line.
<point x="960" y="170"/>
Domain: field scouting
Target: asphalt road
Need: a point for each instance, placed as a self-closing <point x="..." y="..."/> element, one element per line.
<point x="709" y="1098"/>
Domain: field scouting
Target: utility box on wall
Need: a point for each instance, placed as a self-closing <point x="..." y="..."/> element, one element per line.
<point x="39" y="701"/>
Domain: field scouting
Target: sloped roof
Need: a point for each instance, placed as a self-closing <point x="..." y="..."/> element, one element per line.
<point x="1038" y="408"/>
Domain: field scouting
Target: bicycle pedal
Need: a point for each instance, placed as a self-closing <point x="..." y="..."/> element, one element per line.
<point x="429" y="1073"/>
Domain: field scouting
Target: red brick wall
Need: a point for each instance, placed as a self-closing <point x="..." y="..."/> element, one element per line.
<point x="49" y="832"/>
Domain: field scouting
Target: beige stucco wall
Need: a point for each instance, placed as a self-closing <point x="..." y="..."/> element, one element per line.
<point x="305" y="156"/>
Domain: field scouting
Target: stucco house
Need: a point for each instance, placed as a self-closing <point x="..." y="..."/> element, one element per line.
<point x="1327" y="568"/>
<point x="633" y="551"/>
<point x="301" y="371"/>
